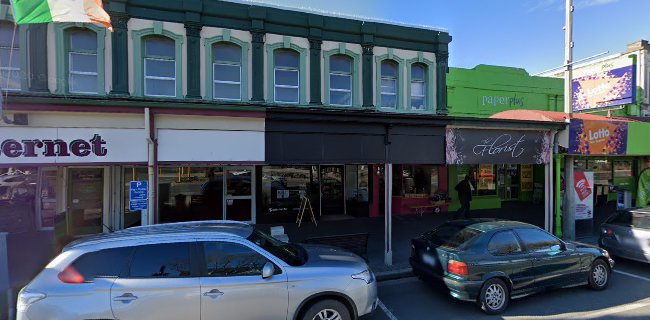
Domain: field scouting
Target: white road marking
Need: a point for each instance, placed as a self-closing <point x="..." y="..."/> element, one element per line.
<point x="590" y="314"/>
<point x="632" y="275"/>
<point x="389" y="314"/>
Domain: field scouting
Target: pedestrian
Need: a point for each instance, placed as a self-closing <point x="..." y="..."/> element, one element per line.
<point x="464" y="189"/>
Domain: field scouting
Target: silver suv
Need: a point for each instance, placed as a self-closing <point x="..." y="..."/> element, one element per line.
<point x="198" y="270"/>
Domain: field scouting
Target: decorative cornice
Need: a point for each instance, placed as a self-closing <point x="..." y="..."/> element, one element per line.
<point x="442" y="56"/>
<point x="367" y="49"/>
<point x="258" y="36"/>
<point x="193" y="29"/>
<point x="119" y="20"/>
<point x="315" y="44"/>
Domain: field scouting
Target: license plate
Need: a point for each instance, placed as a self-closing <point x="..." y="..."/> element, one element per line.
<point x="428" y="259"/>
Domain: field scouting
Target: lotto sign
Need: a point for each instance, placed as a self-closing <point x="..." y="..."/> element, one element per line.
<point x="607" y="84"/>
<point x="584" y="195"/>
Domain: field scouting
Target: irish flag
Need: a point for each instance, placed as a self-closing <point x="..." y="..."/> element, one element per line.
<point x="43" y="11"/>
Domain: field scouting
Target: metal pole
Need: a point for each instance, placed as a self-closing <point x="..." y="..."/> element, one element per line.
<point x="5" y="288"/>
<point x="146" y="217"/>
<point x="569" y="222"/>
<point x="388" y="211"/>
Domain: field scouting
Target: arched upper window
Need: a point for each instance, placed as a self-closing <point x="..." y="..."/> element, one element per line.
<point x="286" y="76"/>
<point x="9" y="57"/>
<point x="418" y="86"/>
<point x="159" y="67"/>
<point x="82" y="61"/>
<point x="340" y="81"/>
<point x="227" y="71"/>
<point x="389" y="79"/>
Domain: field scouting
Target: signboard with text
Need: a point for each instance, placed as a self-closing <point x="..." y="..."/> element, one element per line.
<point x="584" y="195"/>
<point x="587" y="137"/>
<point x="476" y="146"/>
<point x="138" y="195"/>
<point x="605" y="84"/>
<point x="71" y="145"/>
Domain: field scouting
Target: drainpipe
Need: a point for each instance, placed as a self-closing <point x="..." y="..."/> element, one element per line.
<point x="557" y="186"/>
<point x="548" y="187"/>
<point x="4" y="276"/>
<point x="147" y="216"/>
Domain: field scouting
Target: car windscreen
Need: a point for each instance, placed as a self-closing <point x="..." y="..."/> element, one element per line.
<point x="292" y="254"/>
<point x="451" y="236"/>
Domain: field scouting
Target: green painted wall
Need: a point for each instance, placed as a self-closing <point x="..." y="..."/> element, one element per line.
<point x="637" y="138"/>
<point x="485" y="90"/>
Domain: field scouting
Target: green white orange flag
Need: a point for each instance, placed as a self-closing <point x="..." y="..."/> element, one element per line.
<point x="44" y="11"/>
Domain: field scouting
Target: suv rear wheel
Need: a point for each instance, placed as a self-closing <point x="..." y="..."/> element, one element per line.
<point x="327" y="310"/>
<point x="494" y="296"/>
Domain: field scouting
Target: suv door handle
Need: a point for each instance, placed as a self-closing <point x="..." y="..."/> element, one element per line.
<point x="127" y="297"/>
<point x="214" y="293"/>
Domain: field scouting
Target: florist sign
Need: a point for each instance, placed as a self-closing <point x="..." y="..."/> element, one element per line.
<point x="475" y="146"/>
<point x="597" y="137"/>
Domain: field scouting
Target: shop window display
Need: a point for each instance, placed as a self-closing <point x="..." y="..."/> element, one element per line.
<point x="190" y="193"/>
<point x="17" y="198"/>
<point x="418" y="181"/>
<point x="282" y="188"/>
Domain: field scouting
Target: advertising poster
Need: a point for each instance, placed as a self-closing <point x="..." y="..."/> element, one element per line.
<point x="486" y="177"/>
<point x="526" y="177"/>
<point x="606" y="84"/>
<point x="584" y="195"/>
<point x="597" y="137"/>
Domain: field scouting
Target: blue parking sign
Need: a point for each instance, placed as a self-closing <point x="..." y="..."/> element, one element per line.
<point x="138" y="195"/>
<point x="139" y="190"/>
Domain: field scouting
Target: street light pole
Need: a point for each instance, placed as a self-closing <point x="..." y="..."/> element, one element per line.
<point x="568" y="221"/>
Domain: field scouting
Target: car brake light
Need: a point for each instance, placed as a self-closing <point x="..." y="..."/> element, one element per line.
<point x="607" y="231"/>
<point x="457" y="267"/>
<point x="71" y="275"/>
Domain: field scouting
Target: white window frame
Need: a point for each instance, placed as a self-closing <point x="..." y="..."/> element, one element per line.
<point x="84" y="73"/>
<point x="215" y="82"/>
<point x="276" y="85"/>
<point x="15" y="54"/>
<point x="341" y="73"/>
<point x="422" y="82"/>
<point x="146" y="76"/>
<point x="384" y="93"/>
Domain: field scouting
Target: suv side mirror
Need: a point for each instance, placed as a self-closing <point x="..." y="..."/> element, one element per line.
<point x="268" y="270"/>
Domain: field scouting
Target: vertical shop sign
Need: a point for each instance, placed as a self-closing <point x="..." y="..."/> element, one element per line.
<point x="584" y="195"/>
<point x="526" y="177"/>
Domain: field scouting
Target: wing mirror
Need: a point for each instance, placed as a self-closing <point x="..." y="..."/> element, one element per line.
<point x="268" y="270"/>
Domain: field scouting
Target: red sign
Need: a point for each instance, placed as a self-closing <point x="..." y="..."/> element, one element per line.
<point x="583" y="189"/>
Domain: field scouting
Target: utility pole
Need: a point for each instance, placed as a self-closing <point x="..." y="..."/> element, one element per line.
<point x="568" y="219"/>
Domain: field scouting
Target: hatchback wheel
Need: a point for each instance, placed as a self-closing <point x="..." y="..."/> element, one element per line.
<point x="494" y="296"/>
<point x="599" y="275"/>
<point x="327" y="310"/>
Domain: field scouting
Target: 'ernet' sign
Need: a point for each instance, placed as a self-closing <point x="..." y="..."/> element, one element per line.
<point x="71" y="145"/>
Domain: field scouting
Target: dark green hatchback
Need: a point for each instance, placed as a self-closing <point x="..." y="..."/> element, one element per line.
<point x="491" y="261"/>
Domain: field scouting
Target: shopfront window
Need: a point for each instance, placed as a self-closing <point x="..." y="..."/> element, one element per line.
<point x="282" y="188"/>
<point x="356" y="190"/>
<point x="417" y="181"/>
<point x="509" y="181"/>
<point x="602" y="169"/>
<point x="17" y="198"/>
<point x="132" y="218"/>
<point x="85" y="201"/>
<point x="622" y="168"/>
<point x="190" y="193"/>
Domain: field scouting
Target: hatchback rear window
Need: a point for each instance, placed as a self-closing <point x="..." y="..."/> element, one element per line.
<point x="621" y="218"/>
<point x="451" y="236"/>
<point x="641" y="221"/>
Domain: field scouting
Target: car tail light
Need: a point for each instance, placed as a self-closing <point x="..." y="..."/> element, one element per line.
<point x="413" y="254"/>
<point x="457" y="267"/>
<point x="607" y="231"/>
<point x="71" y="275"/>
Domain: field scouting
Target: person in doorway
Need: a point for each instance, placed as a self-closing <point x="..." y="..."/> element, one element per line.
<point x="464" y="189"/>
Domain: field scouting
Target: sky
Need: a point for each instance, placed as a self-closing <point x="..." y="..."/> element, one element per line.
<point x="517" y="33"/>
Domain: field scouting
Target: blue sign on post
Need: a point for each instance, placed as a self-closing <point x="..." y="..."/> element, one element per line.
<point x="139" y="195"/>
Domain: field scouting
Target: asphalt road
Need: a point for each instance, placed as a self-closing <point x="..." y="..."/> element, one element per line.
<point x="627" y="297"/>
